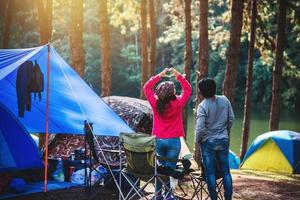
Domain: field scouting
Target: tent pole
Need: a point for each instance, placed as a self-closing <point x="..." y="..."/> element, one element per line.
<point x="47" y="120"/>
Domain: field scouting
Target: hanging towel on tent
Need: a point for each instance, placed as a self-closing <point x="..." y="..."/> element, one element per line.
<point x="24" y="76"/>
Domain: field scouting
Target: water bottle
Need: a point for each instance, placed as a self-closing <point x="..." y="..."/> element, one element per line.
<point x="72" y="156"/>
<point x="60" y="164"/>
<point x="59" y="175"/>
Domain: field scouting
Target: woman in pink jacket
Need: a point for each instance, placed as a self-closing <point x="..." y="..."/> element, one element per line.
<point x="167" y="113"/>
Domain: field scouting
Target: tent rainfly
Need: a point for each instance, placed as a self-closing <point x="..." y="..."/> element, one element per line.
<point x="71" y="100"/>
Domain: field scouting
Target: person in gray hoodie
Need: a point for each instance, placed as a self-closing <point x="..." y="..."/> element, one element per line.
<point x="214" y="119"/>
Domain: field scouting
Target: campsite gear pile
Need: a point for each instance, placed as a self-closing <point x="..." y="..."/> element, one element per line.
<point x="97" y="176"/>
<point x="135" y="112"/>
<point x="64" y="146"/>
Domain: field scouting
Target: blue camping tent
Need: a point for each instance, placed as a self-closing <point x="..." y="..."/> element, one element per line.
<point x="17" y="149"/>
<point x="71" y="100"/>
<point x="276" y="151"/>
<point x="234" y="160"/>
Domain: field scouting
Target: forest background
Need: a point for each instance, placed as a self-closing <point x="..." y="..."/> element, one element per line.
<point x="125" y="41"/>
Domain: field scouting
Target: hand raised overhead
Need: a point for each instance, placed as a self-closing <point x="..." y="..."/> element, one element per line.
<point x="164" y="72"/>
<point x="174" y="72"/>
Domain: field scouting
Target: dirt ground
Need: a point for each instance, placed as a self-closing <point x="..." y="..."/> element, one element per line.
<point x="247" y="185"/>
<point x="265" y="186"/>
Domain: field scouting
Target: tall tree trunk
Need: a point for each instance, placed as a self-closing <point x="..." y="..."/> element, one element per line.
<point x="144" y="50"/>
<point x="136" y="35"/>
<point x="277" y="70"/>
<point x="247" y="105"/>
<point x="4" y="4"/>
<point x="233" y="53"/>
<point x="48" y="11"/>
<point x="152" y="15"/>
<point x="45" y="20"/>
<point x="42" y="21"/>
<point x="8" y="23"/>
<point x="76" y="37"/>
<point x="203" y="45"/>
<point x="105" y="49"/>
<point x="203" y="61"/>
<point x="188" y="62"/>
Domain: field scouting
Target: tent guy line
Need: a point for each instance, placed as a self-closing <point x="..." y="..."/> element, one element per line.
<point x="88" y="122"/>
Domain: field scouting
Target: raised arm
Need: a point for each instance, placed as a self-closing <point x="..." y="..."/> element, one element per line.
<point x="185" y="87"/>
<point x="149" y="85"/>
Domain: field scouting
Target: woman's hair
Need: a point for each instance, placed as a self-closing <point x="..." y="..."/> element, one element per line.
<point x="207" y="87"/>
<point x="165" y="93"/>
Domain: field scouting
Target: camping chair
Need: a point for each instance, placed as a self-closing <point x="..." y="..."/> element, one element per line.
<point x="90" y="159"/>
<point x="94" y="156"/>
<point x="141" y="162"/>
<point x="200" y="185"/>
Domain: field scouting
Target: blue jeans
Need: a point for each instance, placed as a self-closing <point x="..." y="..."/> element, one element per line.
<point x="169" y="148"/>
<point x="212" y="150"/>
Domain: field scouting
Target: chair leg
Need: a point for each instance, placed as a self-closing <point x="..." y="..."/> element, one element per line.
<point x="199" y="187"/>
<point x="206" y="191"/>
<point x="219" y="189"/>
<point x="134" y="187"/>
<point x="182" y="190"/>
<point x="196" y="185"/>
<point x="168" y="190"/>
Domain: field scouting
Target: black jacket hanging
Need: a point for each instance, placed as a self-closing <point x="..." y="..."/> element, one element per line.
<point x="37" y="81"/>
<point x="24" y="76"/>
